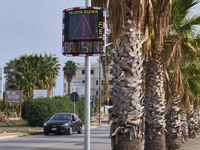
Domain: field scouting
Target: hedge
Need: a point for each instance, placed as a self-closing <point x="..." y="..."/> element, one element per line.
<point x="37" y="111"/>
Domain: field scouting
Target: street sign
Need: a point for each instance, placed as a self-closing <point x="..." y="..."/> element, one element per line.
<point x="83" y="31"/>
<point x="74" y="97"/>
<point x="107" y="99"/>
<point x="14" y="96"/>
<point x="93" y="98"/>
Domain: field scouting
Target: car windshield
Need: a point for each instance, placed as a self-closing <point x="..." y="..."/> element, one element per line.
<point x="61" y="117"/>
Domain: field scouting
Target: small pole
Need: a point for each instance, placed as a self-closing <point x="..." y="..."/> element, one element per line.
<point x="20" y="113"/>
<point x="74" y="103"/>
<point x="99" y="90"/>
<point x="12" y="109"/>
<point x="6" y="109"/>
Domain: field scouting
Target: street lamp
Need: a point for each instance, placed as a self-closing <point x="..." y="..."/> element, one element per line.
<point x="52" y="75"/>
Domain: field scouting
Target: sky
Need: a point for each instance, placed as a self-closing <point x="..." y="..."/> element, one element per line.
<point x="35" y="27"/>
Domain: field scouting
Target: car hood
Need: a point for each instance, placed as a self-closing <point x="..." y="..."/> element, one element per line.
<point x="57" y="122"/>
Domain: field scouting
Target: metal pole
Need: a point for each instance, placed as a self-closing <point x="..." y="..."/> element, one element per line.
<point x="12" y="109"/>
<point x="52" y="74"/>
<point x="87" y="3"/>
<point x="74" y="103"/>
<point x="99" y="90"/>
<point x="87" y="104"/>
<point x="87" y="97"/>
<point x="52" y="78"/>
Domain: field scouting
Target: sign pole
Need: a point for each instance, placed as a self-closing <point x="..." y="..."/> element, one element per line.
<point x="74" y="103"/>
<point x="87" y="104"/>
<point x="87" y="97"/>
<point x="99" y="90"/>
<point x="12" y="109"/>
<point x="84" y="38"/>
<point x="6" y="109"/>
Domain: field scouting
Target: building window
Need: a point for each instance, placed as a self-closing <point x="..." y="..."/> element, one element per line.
<point x="83" y="71"/>
<point x="97" y="82"/>
<point x="92" y="71"/>
<point x="83" y="81"/>
<point x="97" y="93"/>
<point x="101" y="82"/>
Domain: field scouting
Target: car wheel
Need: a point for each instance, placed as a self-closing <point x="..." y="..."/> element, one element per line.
<point x="70" y="131"/>
<point x="46" y="133"/>
<point x="80" y="130"/>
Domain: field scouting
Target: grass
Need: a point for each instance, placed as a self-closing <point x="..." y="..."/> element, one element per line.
<point x="20" y="126"/>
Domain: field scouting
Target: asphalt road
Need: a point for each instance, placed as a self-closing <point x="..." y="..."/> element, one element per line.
<point x="99" y="140"/>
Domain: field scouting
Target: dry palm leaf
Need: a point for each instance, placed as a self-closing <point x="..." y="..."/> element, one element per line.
<point x="177" y="83"/>
<point x="175" y="56"/>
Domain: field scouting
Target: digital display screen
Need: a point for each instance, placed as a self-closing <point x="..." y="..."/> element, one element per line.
<point x="83" y="31"/>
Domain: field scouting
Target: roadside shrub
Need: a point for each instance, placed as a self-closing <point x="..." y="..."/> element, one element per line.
<point x="37" y="111"/>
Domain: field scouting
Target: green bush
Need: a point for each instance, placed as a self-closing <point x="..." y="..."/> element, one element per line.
<point x="37" y="111"/>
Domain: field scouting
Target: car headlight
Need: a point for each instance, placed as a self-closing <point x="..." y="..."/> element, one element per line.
<point x="66" y="124"/>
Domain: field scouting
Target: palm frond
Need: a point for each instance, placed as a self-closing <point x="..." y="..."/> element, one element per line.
<point x="177" y="83"/>
<point x="175" y="56"/>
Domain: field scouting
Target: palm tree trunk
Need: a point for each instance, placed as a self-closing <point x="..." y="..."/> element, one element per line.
<point x="126" y="144"/>
<point x="173" y="124"/>
<point x="184" y="126"/>
<point x="127" y="113"/>
<point x="155" y="104"/>
<point x="69" y="85"/>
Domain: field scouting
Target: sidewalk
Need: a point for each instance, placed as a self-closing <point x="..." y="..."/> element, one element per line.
<point x="9" y="135"/>
<point x="192" y="144"/>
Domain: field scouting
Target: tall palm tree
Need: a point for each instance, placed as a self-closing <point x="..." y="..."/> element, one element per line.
<point x="106" y="62"/>
<point x="155" y="103"/>
<point x="191" y="81"/>
<point x="69" y="71"/>
<point x="181" y="41"/>
<point x="126" y="19"/>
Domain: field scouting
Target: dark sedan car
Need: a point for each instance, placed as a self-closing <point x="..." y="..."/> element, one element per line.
<point x="62" y="123"/>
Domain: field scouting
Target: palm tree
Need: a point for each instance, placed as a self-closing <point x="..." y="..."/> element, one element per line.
<point x="69" y="71"/>
<point x="54" y="71"/>
<point x="155" y="103"/>
<point x="29" y="72"/>
<point x="126" y="19"/>
<point x="10" y="74"/>
<point x="181" y="41"/>
<point x="106" y="62"/>
<point x="191" y="96"/>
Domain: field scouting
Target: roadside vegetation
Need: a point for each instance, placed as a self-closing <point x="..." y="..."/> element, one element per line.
<point x="20" y="126"/>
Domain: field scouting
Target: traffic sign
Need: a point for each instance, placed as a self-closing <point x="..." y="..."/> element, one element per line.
<point x="74" y="97"/>
<point x="107" y="99"/>
<point x="83" y="31"/>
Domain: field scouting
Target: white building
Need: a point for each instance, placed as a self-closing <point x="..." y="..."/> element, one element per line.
<point x="80" y="78"/>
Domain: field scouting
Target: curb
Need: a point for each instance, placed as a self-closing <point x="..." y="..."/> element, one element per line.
<point x="8" y="135"/>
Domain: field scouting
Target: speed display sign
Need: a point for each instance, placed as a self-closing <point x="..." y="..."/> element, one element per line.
<point x="83" y="31"/>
